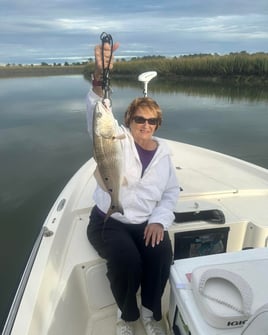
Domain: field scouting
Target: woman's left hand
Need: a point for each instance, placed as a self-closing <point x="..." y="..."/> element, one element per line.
<point x="154" y="233"/>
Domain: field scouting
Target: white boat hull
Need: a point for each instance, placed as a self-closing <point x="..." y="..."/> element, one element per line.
<point x="67" y="291"/>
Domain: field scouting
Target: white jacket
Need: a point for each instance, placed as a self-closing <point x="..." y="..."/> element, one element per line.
<point x="151" y="197"/>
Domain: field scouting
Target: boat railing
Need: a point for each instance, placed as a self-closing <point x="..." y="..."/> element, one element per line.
<point x="23" y="282"/>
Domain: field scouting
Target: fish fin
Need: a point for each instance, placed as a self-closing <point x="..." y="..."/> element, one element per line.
<point x="114" y="209"/>
<point x="99" y="179"/>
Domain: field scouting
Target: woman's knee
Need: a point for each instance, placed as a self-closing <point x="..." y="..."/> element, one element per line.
<point x="126" y="255"/>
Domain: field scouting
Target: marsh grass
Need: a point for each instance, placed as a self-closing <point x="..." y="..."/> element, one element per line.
<point x="237" y="66"/>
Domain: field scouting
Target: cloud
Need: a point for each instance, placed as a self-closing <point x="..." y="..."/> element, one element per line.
<point x="67" y="29"/>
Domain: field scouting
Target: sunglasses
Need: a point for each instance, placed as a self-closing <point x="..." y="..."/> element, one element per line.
<point x="141" y="120"/>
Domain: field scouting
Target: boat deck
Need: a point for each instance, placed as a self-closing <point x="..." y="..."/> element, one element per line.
<point x="68" y="293"/>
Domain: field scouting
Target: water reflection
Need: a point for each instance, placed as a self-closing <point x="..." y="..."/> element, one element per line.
<point x="232" y="91"/>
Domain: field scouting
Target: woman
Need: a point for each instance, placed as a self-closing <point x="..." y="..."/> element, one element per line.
<point x="136" y="244"/>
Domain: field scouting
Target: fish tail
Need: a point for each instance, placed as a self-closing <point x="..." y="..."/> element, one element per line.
<point x="114" y="209"/>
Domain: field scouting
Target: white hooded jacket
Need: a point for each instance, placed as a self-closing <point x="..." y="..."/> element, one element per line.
<point x="151" y="197"/>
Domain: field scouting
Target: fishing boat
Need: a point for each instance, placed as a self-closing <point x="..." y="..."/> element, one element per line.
<point x="218" y="281"/>
<point x="222" y="211"/>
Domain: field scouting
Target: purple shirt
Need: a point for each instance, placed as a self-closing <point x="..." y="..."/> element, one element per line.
<point x="145" y="156"/>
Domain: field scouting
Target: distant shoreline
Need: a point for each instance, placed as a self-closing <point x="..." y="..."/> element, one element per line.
<point x="17" y="71"/>
<point x="39" y="70"/>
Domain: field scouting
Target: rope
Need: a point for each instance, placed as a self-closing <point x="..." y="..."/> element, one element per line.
<point x="106" y="38"/>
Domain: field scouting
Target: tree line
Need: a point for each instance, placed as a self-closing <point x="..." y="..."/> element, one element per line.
<point x="47" y="64"/>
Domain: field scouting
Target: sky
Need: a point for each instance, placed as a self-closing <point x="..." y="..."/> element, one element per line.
<point x="58" y="31"/>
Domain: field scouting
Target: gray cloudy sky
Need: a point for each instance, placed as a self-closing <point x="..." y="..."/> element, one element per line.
<point x="35" y="31"/>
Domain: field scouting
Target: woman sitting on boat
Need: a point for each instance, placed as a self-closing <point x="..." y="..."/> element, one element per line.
<point x="136" y="243"/>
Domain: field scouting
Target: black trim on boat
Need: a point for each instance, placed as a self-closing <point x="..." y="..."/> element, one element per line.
<point x="211" y="216"/>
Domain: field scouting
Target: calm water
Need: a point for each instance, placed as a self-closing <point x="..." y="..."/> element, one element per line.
<point x="43" y="141"/>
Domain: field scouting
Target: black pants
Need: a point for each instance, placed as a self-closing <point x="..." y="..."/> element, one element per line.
<point x="130" y="264"/>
